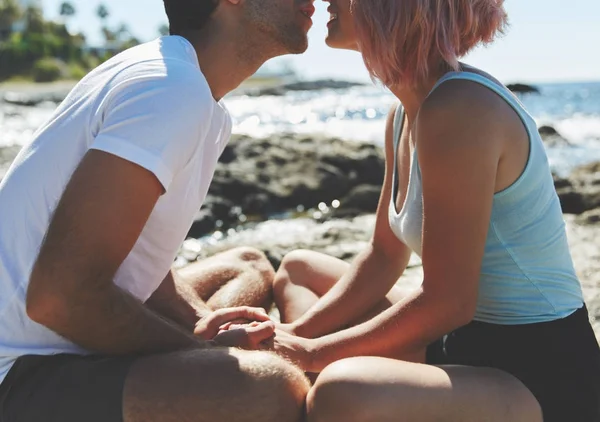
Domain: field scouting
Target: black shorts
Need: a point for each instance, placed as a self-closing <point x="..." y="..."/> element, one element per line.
<point x="559" y="361"/>
<point x="64" y="388"/>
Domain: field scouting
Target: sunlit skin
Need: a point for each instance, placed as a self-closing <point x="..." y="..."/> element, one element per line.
<point x="340" y="26"/>
<point x="351" y="323"/>
<point x="286" y="22"/>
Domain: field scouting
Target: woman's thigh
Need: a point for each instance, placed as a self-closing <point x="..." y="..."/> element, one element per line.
<point x="382" y="390"/>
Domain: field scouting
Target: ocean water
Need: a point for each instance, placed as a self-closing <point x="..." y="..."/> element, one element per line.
<point x="359" y="114"/>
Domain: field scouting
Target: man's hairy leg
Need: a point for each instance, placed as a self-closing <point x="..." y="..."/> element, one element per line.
<point x="214" y="385"/>
<point x="239" y="277"/>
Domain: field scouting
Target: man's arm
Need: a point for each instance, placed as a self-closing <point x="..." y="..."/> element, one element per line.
<point x="178" y="302"/>
<point x="96" y="223"/>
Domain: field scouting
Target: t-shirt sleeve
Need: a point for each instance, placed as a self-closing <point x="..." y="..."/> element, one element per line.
<point x="156" y="122"/>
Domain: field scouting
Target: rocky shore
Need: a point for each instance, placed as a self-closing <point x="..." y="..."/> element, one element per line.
<point x="292" y="174"/>
<point x="30" y="95"/>
<point x="294" y="191"/>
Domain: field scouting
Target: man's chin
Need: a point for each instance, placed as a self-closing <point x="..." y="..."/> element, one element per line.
<point x="298" y="47"/>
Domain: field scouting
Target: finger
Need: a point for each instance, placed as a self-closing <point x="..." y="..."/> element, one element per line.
<point x="268" y="344"/>
<point x="226" y="326"/>
<point x="237" y="321"/>
<point x="261" y="332"/>
<point x="222" y="316"/>
<point x="243" y="314"/>
<point x="233" y="338"/>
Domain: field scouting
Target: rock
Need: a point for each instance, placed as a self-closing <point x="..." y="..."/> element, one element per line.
<point x="559" y="182"/>
<point x="589" y="217"/>
<point x="571" y="202"/>
<point x="316" y="85"/>
<point x="32" y="94"/>
<point x="594" y="307"/>
<point x="33" y="99"/>
<point x="7" y="155"/>
<point x="271" y="176"/>
<point x="344" y="239"/>
<point x="523" y="88"/>
<point x="360" y="200"/>
<point x="340" y="238"/>
<point x="216" y="212"/>
<point x="582" y="192"/>
<point x="552" y="138"/>
<point x="589" y="172"/>
<point x="204" y="223"/>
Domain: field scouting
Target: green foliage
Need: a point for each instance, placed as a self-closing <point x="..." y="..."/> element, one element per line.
<point x="46" y="50"/>
<point x="163" y="30"/>
<point x="48" y="70"/>
<point x="10" y="12"/>
<point x="67" y="9"/>
<point x="77" y="71"/>
<point x="102" y="12"/>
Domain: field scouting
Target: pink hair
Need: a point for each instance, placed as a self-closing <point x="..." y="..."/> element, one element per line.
<point x="401" y="39"/>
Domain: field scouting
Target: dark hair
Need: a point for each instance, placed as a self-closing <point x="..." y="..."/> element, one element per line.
<point x="188" y="14"/>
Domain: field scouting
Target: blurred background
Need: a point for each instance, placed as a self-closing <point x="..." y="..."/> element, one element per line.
<point x="305" y="165"/>
<point x="551" y="46"/>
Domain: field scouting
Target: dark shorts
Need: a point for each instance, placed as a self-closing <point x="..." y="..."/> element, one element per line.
<point x="64" y="388"/>
<point x="559" y="361"/>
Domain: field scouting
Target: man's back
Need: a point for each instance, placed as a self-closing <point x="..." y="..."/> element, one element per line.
<point x="151" y="106"/>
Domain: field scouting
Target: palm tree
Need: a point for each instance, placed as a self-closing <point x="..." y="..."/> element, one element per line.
<point x="122" y="32"/>
<point x="67" y="10"/>
<point x="102" y="13"/>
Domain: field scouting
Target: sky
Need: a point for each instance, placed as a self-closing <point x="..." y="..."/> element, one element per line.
<point x="547" y="41"/>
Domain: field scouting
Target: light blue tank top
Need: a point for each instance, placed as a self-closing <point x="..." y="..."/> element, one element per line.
<point x="527" y="273"/>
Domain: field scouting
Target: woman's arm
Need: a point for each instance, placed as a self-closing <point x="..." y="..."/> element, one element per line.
<point x="459" y="149"/>
<point x="371" y="275"/>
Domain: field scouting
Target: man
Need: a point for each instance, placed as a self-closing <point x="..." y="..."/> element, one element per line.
<point x="95" y="326"/>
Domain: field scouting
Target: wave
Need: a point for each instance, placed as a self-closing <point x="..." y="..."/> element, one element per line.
<point x="359" y="114"/>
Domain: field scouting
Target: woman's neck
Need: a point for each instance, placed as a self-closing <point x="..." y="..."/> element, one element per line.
<point x="412" y="97"/>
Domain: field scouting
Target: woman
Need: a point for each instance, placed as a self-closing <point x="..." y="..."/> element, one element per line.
<point x="498" y="330"/>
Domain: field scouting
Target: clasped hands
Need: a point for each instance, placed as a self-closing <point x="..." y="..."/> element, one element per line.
<point x="252" y="329"/>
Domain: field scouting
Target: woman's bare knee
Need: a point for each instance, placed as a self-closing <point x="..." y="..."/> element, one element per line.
<point x="215" y="384"/>
<point x="296" y="261"/>
<point x="336" y="394"/>
<point x="293" y="267"/>
<point x="366" y="389"/>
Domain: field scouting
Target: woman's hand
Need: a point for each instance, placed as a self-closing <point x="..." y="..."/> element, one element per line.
<point x="299" y="350"/>
<point x="242" y="327"/>
<point x="289" y="328"/>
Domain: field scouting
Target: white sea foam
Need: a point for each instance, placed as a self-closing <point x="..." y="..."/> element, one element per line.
<point x="359" y="114"/>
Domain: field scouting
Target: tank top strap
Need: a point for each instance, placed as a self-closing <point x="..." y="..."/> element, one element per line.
<point x="398" y="120"/>
<point x="397" y="133"/>
<point x="499" y="89"/>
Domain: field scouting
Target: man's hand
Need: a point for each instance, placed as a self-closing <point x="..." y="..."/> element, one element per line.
<point x="242" y="327"/>
<point x="246" y="336"/>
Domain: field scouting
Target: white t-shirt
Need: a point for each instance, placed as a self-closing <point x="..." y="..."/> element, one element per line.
<point x="150" y="105"/>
